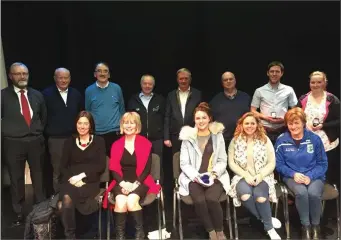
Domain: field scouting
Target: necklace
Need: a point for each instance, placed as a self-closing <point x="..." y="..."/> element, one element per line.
<point x="84" y="144"/>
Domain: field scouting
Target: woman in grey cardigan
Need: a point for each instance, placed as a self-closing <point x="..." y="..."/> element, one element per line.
<point x="203" y="154"/>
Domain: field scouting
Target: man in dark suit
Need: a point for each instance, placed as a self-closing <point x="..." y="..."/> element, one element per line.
<point x="23" y="118"/>
<point x="180" y="106"/>
<point x="63" y="103"/>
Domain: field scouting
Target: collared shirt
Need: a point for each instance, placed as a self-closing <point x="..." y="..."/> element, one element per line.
<point x="63" y="94"/>
<point x="231" y="96"/>
<point x="275" y="100"/>
<point x="183" y="95"/>
<point x="17" y="91"/>
<point x="106" y="85"/>
<point x="145" y="99"/>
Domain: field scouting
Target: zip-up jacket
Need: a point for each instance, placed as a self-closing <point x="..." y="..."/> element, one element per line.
<point x="331" y="121"/>
<point x="153" y="119"/>
<point x="309" y="158"/>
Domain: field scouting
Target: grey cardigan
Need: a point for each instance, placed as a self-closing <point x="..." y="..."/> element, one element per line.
<point x="191" y="157"/>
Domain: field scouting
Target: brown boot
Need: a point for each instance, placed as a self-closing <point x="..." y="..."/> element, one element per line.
<point x="306" y="232"/>
<point x="316" y="232"/>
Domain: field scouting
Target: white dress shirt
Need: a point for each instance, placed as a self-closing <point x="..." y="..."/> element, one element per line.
<point x="183" y="99"/>
<point x="17" y="91"/>
<point x="145" y="99"/>
<point x="63" y="94"/>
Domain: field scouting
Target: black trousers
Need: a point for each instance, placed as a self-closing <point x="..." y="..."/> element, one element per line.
<point x="55" y="146"/>
<point x="207" y="205"/>
<point x="176" y="143"/>
<point x="16" y="153"/>
<point x="109" y="139"/>
<point x="157" y="148"/>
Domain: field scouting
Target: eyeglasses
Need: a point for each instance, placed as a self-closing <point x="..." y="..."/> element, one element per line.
<point x="20" y="74"/>
<point x="102" y="71"/>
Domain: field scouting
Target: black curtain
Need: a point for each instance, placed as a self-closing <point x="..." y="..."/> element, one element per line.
<point x="160" y="37"/>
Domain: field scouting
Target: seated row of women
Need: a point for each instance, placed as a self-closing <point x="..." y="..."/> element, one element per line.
<point x="298" y="157"/>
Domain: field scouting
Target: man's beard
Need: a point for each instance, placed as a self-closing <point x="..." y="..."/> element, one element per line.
<point x="21" y="84"/>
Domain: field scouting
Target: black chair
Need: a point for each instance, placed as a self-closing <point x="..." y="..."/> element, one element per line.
<point x="150" y="198"/>
<point x="105" y="178"/>
<point x="177" y="198"/>
<point x="330" y="192"/>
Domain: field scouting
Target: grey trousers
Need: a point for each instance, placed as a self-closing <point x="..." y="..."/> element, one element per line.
<point x="55" y="146"/>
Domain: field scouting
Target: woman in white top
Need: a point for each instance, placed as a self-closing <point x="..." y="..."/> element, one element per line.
<point x="252" y="159"/>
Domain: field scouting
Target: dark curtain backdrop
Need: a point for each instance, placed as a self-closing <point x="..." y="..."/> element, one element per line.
<point x="160" y="37"/>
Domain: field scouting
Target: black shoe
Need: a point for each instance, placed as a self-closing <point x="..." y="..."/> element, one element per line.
<point x="306" y="232"/>
<point x="120" y="223"/>
<point x="316" y="232"/>
<point x="18" y="221"/>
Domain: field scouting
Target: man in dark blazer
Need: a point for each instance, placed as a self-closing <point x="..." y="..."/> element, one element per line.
<point x="180" y="106"/>
<point x="63" y="104"/>
<point x="23" y="118"/>
<point x="151" y="108"/>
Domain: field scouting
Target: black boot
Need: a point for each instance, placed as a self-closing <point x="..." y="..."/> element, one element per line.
<point x="138" y="218"/>
<point x="120" y="224"/>
<point x="316" y="232"/>
<point x="306" y="232"/>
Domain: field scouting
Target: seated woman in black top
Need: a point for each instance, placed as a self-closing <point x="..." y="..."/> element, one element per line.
<point x="130" y="164"/>
<point x="82" y="164"/>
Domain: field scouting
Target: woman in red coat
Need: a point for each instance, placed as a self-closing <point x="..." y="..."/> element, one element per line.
<point x="130" y="162"/>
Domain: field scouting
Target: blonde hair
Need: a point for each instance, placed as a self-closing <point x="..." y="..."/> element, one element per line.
<point x="259" y="134"/>
<point x="132" y="117"/>
<point x="293" y="114"/>
<point x="321" y="74"/>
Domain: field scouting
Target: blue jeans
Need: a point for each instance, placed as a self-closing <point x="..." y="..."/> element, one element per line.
<point x="307" y="199"/>
<point x="261" y="210"/>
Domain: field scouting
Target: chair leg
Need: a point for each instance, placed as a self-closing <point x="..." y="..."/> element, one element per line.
<point x="180" y="219"/>
<point x="276" y="209"/>
<point x="99" y="219"/>
<point x="338" y="213"/>
<point x="286" y="210"/>
<point x="228" y="216"/>
<point x="235" y="223"/>
<point x="109" y="216"/>
<point x="323" y="207"/>
<point x="174" y="209"/>
<point x="159" y="215"/>
<point x="163" y="210"/>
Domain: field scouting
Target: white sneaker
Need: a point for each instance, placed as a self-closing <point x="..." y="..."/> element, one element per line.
<point x="273" y="234"/>
<point x="276" y="223"/>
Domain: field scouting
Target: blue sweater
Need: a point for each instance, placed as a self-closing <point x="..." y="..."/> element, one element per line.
<point x="106" y="105"/>
<point x="309" y="158"/>
<point x="60" y="116"/>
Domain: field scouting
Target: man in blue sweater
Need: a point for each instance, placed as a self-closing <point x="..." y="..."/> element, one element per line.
<point x="228" y="106"/>
<point x="105" y="101"/>
<point x="63" y="103"/>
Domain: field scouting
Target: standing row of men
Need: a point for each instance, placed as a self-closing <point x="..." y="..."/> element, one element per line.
<point x="28" y="116"/>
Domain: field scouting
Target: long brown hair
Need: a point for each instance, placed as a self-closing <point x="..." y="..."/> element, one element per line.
<point x="259" y="134"/>
<point x="90" y="118"/>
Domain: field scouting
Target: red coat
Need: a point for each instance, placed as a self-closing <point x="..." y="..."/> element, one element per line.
<point x="142" y="151"/>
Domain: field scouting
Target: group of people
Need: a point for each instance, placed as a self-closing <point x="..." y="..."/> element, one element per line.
<point x="232" y="135"/>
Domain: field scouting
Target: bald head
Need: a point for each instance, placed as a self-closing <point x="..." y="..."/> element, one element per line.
<point x="18" y="73"/>
<point x="228" y="81"/>
<point x="62" y="78"/>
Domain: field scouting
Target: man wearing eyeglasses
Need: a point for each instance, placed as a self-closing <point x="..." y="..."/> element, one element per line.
<point x="273" y="99"/>
<point x="228" y="106"/>
<point x="23" y="118"/>
<point x="105" y="101"/>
